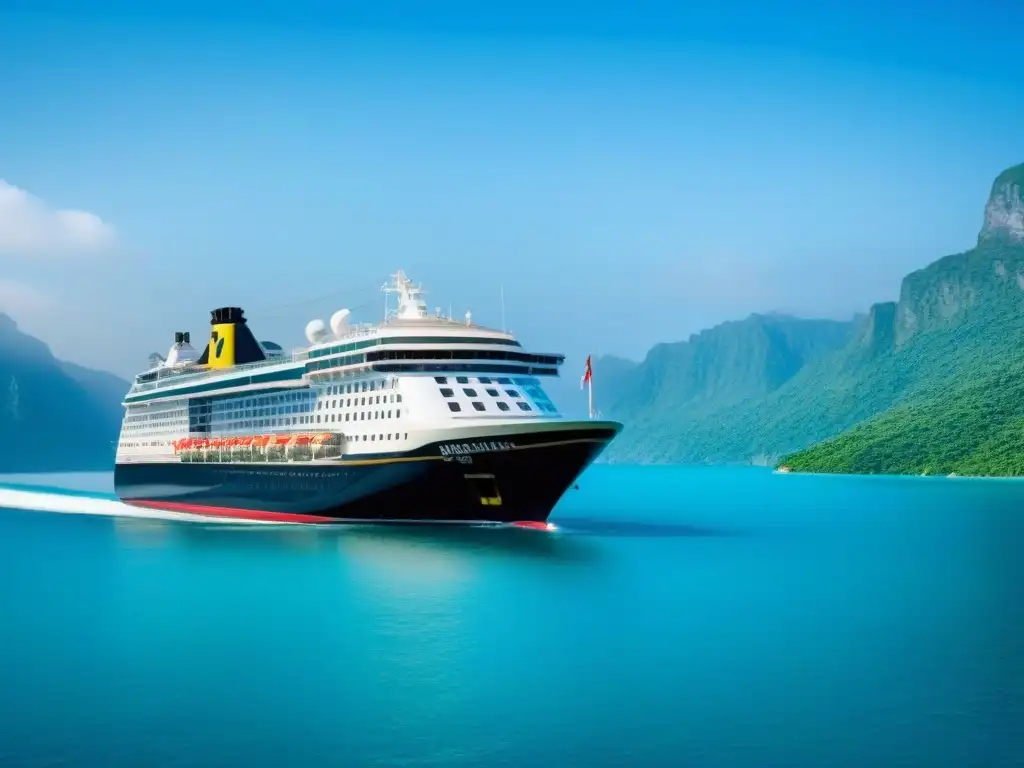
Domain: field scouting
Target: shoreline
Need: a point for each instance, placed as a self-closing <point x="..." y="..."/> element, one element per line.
<point x="896" y="475"/>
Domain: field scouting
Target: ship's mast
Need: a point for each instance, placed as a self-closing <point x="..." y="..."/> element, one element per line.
<point x="410" y="304"/>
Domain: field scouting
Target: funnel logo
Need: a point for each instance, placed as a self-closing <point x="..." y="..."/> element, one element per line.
<point x="222" y="346"/>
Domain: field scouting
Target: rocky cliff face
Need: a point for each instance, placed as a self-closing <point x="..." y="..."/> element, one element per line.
<point x="877" y="330"/>
<point x="1004" y="212"/>
<point x="955" y="288"/>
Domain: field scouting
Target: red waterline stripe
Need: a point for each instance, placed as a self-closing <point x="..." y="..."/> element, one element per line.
<point x="239" y="514"/>
<point x="531" y="524"/>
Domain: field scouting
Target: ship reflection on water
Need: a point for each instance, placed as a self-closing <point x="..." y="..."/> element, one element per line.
<point x="399" y="546"/>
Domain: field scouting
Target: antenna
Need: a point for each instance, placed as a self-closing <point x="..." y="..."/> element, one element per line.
<point x="502" y="307"/>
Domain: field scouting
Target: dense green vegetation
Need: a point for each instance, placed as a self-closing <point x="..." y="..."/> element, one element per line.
<point x="976" y="428"/>
<point x="54" y="416"/>
<point x="736" y="396"/>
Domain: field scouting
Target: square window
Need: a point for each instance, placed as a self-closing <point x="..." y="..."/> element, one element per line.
<point x="484" y="380"/>
<point x="462" y="379"/>
<point x="512" y="393"/>
<point x="441" y="379"/>
<point x="502" y="405"/>
<point x="454" y="407"/>
<point x="478" y="405"/>
<point x="492" y="392"/>
<point x="523" y="406"/>
<point x="469" y="392"/>
<point x="445" y="392"/>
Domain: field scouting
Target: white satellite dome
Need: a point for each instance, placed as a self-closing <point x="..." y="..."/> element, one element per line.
<point x="339" y="322"/>
<point x="316" y="331"/>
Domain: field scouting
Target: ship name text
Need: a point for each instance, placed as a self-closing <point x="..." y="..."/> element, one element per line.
<point x="485" y="446"/>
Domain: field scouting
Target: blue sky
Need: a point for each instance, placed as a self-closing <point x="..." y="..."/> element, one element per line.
<point x="631" y="173"/>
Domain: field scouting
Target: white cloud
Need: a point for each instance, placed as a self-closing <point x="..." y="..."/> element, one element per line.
<point x="20" y="300"/>
<point x="29" y="227"/>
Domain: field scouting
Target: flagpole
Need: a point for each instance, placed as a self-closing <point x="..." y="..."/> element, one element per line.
<point x="588" y="379"/>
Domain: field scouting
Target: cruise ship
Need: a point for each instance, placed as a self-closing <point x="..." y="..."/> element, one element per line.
<point x="420" y="418"/>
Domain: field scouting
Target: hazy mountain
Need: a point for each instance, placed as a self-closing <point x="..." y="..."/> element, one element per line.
<point x="54" y="416"/>
<point x="743" y="390"/>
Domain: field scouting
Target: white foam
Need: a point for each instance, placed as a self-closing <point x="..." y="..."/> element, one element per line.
<point x="42" y="501"/>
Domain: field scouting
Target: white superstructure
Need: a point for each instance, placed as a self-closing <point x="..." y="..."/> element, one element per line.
<point x="417" y="377"/>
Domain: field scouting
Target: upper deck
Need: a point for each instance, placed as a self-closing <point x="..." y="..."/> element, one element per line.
<point x="409" y="340"/>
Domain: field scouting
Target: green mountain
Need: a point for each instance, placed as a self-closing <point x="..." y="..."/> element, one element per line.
<point x="955" y="319"/>
<point x="54" y="416"/>
<point x="970" y="420"/>
<point x="976" y="428"/>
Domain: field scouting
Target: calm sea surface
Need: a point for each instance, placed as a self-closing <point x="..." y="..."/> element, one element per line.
<point x="681" y="617"/>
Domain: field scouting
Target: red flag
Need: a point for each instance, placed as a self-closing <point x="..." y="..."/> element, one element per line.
<point x="588" y="374"/>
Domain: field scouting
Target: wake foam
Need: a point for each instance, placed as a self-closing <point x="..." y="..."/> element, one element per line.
<point x="70" y="503"/>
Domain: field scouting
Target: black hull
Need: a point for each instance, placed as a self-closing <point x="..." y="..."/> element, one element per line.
<point x="499" y="478"/>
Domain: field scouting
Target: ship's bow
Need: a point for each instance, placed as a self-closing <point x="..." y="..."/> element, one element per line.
<point x="511" y="475"/>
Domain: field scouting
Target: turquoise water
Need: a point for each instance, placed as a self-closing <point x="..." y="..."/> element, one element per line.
<point x="681" y="617"/>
